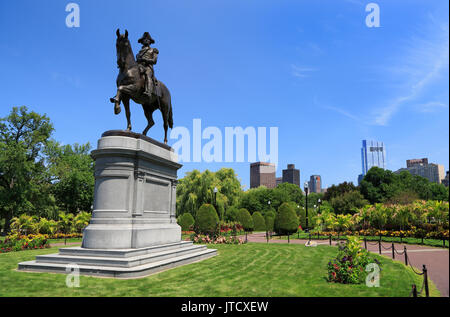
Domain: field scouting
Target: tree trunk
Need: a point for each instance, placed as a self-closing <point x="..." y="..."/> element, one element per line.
<point x="7" y="222"/>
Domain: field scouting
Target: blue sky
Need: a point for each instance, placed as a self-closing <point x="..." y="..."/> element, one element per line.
<point x="311" y="68"/>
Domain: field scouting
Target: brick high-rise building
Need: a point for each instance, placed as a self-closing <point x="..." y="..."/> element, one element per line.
<point x="291" y="175"/>
<point x="262" y="174"/>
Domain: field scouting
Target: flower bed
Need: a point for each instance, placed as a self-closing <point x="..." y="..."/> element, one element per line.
<point x="349" y="265"/>
<point x="197" y="238"/>
<point x="413" y="233"/>
<point x="18" y="242"/>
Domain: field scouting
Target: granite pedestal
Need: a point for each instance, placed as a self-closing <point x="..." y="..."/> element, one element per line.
<point x="133" y="230"/>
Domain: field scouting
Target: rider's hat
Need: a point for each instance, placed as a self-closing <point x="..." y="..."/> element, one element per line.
<point x="147" y="37"/>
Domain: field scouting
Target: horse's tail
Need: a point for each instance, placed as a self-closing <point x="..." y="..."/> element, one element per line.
<point x="170" y="119"/>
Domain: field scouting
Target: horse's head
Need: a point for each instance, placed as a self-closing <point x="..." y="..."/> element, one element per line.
<point x="123" y="48"/>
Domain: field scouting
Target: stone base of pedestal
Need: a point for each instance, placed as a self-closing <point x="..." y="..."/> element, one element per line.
<point x="133" y="231"/>
<point x="119" y="263"/>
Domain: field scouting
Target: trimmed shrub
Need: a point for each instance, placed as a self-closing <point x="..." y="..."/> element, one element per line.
<point x="286" y="221"/>
<point x="231" y="214"/>
<point x="207" y="220"/>
<point x="245" y="219"/>
<point x="258" y="221"/>
<point x="186" y="221"/>
<point x="269" y="220"/>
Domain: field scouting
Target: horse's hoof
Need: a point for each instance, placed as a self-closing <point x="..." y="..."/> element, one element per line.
<point x="113" y="100"/>
<point x="117" y="110"/>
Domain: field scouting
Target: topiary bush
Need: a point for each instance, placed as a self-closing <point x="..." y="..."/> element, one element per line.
<point x="207" y="221"/>
<point x="245" y="219"/>
<point x="286" y="221"/>
<point x="258" y="221"/>
<point x="186" y="221"/>
<point x="232" y="214"/>
<point x="269" y="220"/>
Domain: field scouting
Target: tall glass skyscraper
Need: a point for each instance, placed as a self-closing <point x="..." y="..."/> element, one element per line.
<point x="373" y="153"/>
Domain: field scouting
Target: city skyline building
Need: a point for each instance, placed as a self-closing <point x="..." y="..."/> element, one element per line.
<point x="291" y="175"/>
<point x="433" y="172"/>
<point x="262" y="174"/>
<point x="315" y="184"/>
<point x="373" y="153"/>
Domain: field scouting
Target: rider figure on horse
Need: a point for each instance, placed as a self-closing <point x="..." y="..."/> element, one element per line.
<point x="146" y="58"/>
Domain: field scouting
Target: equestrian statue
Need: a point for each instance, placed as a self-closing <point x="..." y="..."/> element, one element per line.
<point x="136" y="81"/>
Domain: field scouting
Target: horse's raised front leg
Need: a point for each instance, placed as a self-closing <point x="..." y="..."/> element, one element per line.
<point x="116" y="101"/>
<point x="126" y="104"/>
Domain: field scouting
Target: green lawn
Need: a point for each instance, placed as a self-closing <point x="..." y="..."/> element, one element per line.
<point x="238" y="270"/>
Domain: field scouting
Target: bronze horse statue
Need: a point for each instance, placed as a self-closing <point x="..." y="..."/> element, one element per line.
<point x="130" y="85"/>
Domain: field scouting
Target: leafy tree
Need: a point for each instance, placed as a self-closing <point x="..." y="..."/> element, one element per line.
<point x="186" y="221"/>
<point x="349" y="202"/>
<point x="72" y="170"/>
<point x="197" y="188"/>
<point x="338" y="190"/>
<point x="286" y="221"/>
<point x="258" y="221"/>
<point x="207" y="220"/>
<point x="24" y="184"/>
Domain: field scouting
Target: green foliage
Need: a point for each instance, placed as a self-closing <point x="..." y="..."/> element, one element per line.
<point x="65" y="223"/>
<point x="338" y="190"/>
<point x="72" y="170"/>
<point x="348" y="203"/>
<point x="381" y="185"/>
<point x="286" y="221"/>
<point x="186" y="221"/>
<point x="269" y="218"/>
<point x="245" y="219"/>
<point x="349" y="265"/>
<point x="24" y="184"/>
<point x="81" y="221"/>
<point x="257" y="199"/>
<point x="24" y="224"/>
<point x="197" y="188"/>
<point x="232" y="213"/>
<point x="46" y="226"/>
<point x="207" y="220"/>
<point x="258" y="221"/>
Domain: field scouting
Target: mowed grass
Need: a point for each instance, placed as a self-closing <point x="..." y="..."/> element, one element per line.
<point x="238" y="270"/>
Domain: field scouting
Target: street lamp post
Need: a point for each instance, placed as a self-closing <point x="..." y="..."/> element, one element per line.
<point x="267" y="233"/>
<point x="306" y="203"/>
<point x="319" y="202"/>
<point x="215" y="200"/>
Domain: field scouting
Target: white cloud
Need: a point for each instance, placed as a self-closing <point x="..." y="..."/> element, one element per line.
<point x="301" y="72"/>
<point x="423" y="60"/>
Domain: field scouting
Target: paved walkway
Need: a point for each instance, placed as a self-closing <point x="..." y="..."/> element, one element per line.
<point x="436" y="259"/>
